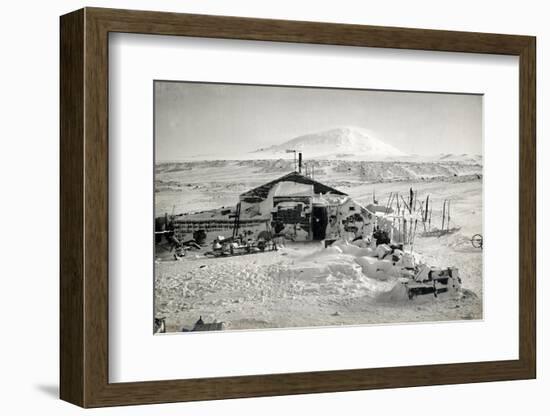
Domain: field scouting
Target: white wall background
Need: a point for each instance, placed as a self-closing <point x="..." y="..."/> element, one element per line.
<point x="29" y="209"/>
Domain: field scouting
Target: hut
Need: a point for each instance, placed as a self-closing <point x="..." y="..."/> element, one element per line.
<point x="293" y="205"/>
<point x="304" y="209"/>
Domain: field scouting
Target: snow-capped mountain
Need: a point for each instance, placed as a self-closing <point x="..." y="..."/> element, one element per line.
<point x="343" y="143"/>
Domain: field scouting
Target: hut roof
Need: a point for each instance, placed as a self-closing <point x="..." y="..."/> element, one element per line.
<point x="259" y="193"/>
<point x="290" y="188"/>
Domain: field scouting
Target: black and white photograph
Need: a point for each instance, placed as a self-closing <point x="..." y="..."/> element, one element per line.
<point x="296" y="206"/>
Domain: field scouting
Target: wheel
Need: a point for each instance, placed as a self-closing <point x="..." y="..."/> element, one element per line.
<point x="477" y="241"/>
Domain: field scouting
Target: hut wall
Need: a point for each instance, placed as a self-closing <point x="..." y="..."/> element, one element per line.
<point x="183" y="229"/>
<point x="349" y="220"/>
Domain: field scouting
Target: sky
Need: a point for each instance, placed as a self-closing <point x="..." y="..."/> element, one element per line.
<point x="226" y="119"/>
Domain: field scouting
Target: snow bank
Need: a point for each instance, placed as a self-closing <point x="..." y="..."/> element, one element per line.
<point x="346" y="269"/>
<point x="398" y="293"/>
<point x="368" y="264"/>
<point x="346" y="248"/>
<point x="378" y="269"/>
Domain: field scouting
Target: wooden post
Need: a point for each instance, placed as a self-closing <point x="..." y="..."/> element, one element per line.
<point x="448" y="214"/>
<point x="424" y="214"/>
<point x="388" y="203"/>
<point x="410" y="233"/>
<point x="391" y="201"/>
<point x="427" y="207"/>
<point x="405" y="204"/>
<point x="443" y="216"/>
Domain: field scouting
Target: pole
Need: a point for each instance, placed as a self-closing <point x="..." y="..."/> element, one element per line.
<point x="392" y="196"/>
<point x="410" y="233"/>
<point x="388" y="203"/>
<point x="405" y="203"/>
<point x="423" y="215"/>
<point x="443" y="216"/>
<point x="448" y="214"/>
<point x="427" y="206"/>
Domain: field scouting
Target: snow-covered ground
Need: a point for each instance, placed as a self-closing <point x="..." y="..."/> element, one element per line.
<point x="301" y="285"/>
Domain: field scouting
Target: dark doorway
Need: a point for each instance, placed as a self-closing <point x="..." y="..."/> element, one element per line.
<point x="319" y="222"/>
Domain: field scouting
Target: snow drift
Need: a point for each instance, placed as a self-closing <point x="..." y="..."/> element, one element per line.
<point x="350" y="270"/>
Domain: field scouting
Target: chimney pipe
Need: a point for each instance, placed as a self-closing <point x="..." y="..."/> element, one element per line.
<point x="300" y="162"/>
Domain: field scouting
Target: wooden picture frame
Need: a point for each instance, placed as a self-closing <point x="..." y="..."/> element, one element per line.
<point x="84" y="207"/>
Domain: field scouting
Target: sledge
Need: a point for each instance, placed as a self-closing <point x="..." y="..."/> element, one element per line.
<point x="439" y="233"/>
<point x="435" y="282"/>
<point x="235" y="247"/>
